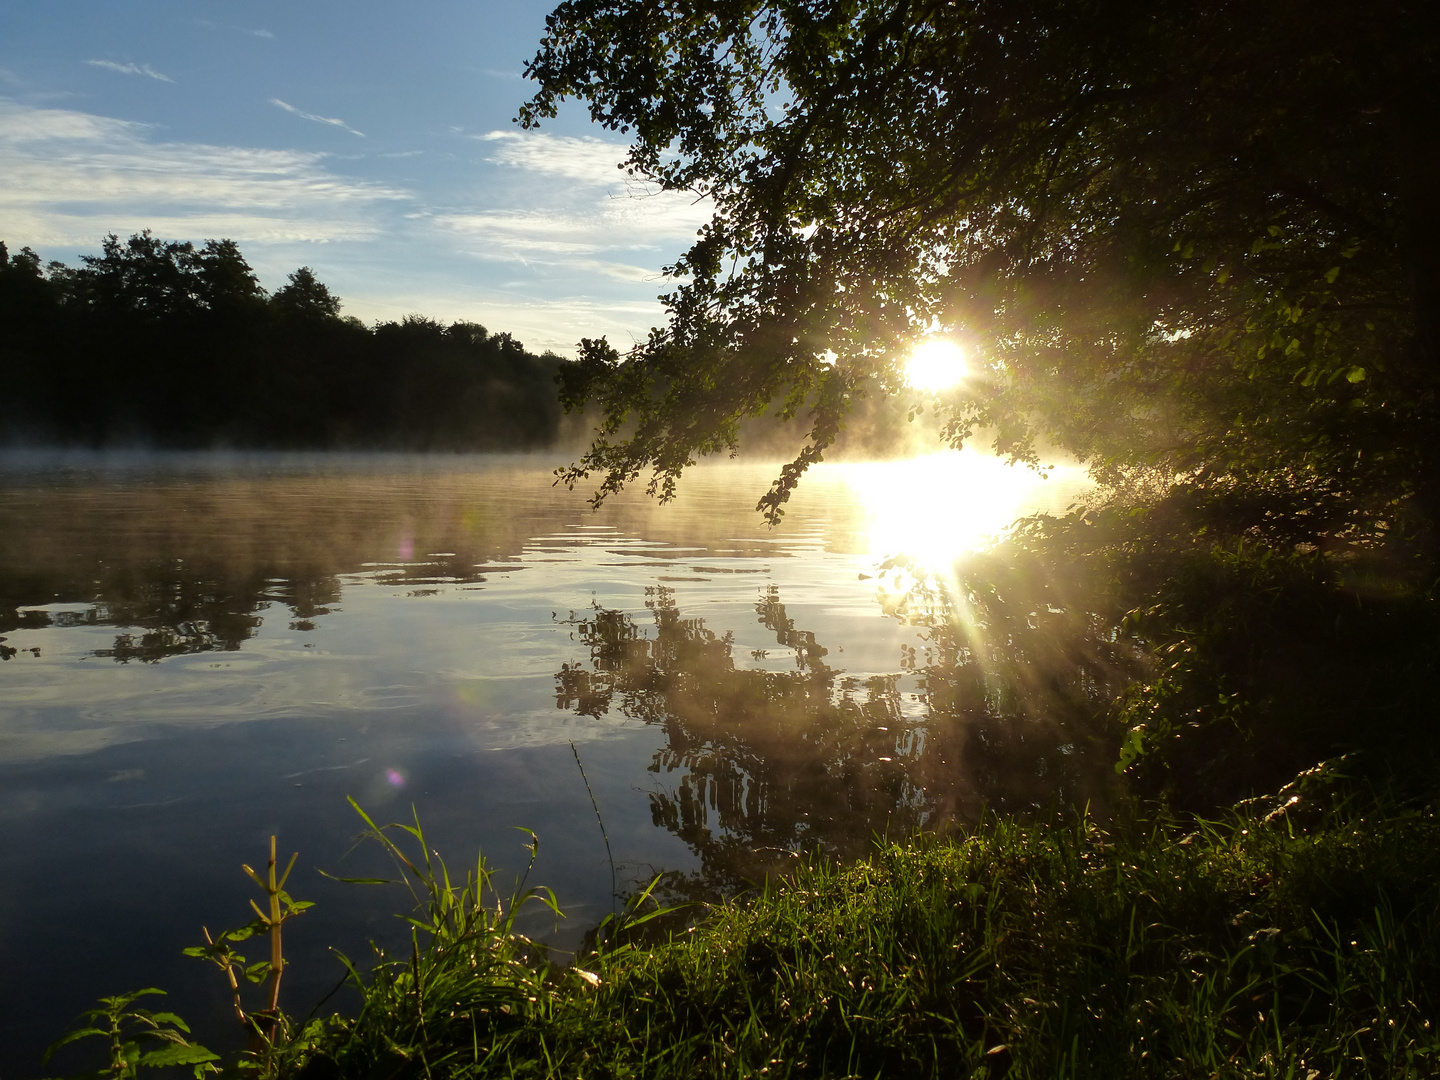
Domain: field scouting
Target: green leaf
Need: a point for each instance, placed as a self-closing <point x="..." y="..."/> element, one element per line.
<point x="1355" y="375"/>
<point x="178" y="1054"/>
<point x="71" y="1036"/>
<point x="1332" y="274"/>
<point x="170" y="1018"/>
<point x="362" y="880"/>
<point x="258" y="972"/>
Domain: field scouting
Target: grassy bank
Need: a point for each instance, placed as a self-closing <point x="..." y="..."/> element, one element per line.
<point x="1300" y="937"/>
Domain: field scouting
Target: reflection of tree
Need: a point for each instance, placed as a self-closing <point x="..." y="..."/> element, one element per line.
<point x="173" y="609"/>
<point x="189" y="564"/>
<point x="811" y="759"/>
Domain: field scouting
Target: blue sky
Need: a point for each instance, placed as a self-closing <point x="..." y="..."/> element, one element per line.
<point x="371" y="141"/>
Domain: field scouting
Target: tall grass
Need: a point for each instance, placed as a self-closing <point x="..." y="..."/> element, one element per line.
<point x="1285" y="940"/>
<point x="1275" y="943"/>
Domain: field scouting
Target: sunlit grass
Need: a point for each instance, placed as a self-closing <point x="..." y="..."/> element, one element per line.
<point x="1294" y="937"/>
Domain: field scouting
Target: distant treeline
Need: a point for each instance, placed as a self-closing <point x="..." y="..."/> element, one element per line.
<point x="168" y="344"/>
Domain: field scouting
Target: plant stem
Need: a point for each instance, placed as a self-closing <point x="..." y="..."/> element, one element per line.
<point x="277" y="959"/>
<point x="614" y="888"/>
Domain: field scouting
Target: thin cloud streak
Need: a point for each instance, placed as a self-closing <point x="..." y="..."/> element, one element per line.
<point x="267" y="34"/>
<point x="70" y="177"/>
<point x="332" y="121"/>
<point x="609" y="223"/>
<point x="540" y="323"/>
<point x="130" y="69"/>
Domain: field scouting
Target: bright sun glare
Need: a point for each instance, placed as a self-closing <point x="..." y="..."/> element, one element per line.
<point x="936" y="507"/>
<point x="935" y="364"/>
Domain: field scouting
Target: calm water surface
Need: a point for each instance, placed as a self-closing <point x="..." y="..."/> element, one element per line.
<point x="202" y="651"/>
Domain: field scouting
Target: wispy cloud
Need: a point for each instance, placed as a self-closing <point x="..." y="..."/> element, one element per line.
<point x="130" y="69"/>
<point x="592" y="160"/>
<point x="555" y="322"/>
<point x="332" y="121"/>
<point x="561" y="235"/>
<point x="209" y="25"/>
<point x="71" y="176"/>
<point x="595" y="216"/>
<point x="574" y="248"/>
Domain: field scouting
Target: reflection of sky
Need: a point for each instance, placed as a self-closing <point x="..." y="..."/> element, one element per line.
<point x="485" y="651"/>
<point x="428" y="680"/>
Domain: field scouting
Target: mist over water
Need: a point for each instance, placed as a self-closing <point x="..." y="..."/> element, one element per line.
<point x="202" y="650"/>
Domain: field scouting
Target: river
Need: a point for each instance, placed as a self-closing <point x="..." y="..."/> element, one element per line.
<point x="201" y="651"/>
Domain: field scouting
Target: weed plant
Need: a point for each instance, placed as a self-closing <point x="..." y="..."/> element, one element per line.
<point x="1297" y="937"/>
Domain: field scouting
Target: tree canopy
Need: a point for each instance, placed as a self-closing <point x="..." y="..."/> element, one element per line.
<point x="161" y="342"/>
<point x="1190" y="239"/>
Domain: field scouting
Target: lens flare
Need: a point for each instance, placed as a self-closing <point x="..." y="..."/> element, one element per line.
<point x="394" y="778"/>
<point x="935" y="364"/>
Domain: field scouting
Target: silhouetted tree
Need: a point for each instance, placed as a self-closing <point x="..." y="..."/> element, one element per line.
<point x="167" y="343"/>
<point x="305" y="296"/>
<point x="1192" y="244"/>
<point x="1177" y="239"/>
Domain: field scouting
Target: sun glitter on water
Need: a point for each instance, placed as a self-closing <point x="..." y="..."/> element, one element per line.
<point x="935" y="364"/>
<point x="936" y="508"/>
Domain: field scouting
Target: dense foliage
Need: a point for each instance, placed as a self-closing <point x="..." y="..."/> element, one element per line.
<point x="1190" y="244"/>
<point x="1183" y="239"/>
<point x="166" y="344"/>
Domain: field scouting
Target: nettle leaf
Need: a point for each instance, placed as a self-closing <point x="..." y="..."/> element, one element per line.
<point x="169" y="1018"/>
<point x="177" y="1054"/>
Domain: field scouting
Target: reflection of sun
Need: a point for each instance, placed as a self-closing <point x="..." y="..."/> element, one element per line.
<point x="935" y="508"/>
<point x="935" y="364"/>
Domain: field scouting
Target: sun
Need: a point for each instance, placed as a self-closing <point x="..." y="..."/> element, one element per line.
<point x="935" y="364"/>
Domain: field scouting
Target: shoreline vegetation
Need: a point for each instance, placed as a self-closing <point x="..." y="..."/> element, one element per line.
<point x="169" y="345"/>
<point x="1294" y="936"/>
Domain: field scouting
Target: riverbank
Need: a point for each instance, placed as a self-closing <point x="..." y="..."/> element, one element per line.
<point x="1297" y="937"/>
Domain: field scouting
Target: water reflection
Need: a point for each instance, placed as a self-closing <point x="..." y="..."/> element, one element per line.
<point x="195" y="656"/>
<point x="760" y="762"/>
